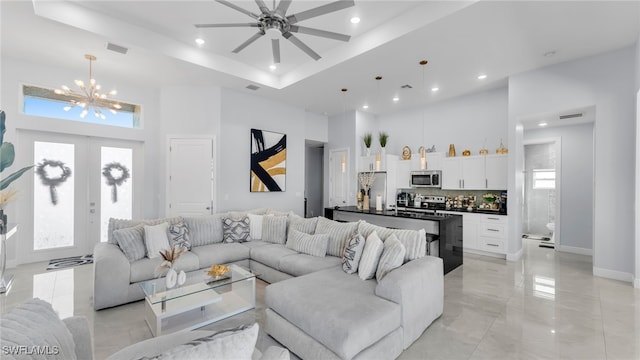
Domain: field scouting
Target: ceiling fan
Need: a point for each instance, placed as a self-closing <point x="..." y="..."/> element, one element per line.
<point x="278" y="22"/>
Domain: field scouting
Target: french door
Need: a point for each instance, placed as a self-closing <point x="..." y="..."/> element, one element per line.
<point x="78" y="183"/>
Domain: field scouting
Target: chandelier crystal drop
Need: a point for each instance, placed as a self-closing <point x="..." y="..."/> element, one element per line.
<point x="90" y="98"/>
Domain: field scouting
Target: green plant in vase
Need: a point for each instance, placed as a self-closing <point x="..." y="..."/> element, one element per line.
<point x="367" y="138"/>
<point x="382" y="138"/>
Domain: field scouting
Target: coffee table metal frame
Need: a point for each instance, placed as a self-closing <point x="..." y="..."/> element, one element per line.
<point x="202" y="300"/>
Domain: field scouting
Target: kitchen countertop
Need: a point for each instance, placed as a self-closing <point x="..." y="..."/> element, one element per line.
<point x="408" y="215"/>
<point x="475" y="211"/>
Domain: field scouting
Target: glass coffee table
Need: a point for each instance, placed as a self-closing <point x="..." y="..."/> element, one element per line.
<point x="201" y="300"/>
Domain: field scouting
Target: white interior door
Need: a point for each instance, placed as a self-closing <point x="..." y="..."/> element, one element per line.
<point x="339" y="177"/>
<point x="66" y="193"/>
<point x="190" y="190"/>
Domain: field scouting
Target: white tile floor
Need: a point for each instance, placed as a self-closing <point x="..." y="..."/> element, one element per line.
<point x="545" y="306"/>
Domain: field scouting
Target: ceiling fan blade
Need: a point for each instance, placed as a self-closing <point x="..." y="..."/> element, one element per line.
<point x="318" y="32"/>
<point x="275" y="46"/>
<point x="226" y="25"/>
<point x="238" y="8"/>
<point x="320" y="10"/>
<point x="255" y="37"/>
<point x="263" y="7"/>
<point x="283" y="6"/>
<point x="302" y="46"/>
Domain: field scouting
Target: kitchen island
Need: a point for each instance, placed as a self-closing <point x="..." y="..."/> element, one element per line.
<point x="444" y="228"/>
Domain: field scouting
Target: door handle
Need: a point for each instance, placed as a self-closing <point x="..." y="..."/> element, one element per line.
<point x="208" y="208"/>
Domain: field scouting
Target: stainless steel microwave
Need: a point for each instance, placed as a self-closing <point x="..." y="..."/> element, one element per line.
<point x="426" y="178"/>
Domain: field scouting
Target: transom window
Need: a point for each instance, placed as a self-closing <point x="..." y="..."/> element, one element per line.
<point x="45" y="102"/>
<point x="544" y="179"/>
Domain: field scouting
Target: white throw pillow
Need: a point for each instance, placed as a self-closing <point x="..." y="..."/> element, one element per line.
<point x="237" y="345"/>
<point x="392" y="256"/>
<point x="255" y="226"/>
<point x="156" y="239"/>
<point x="370" y="256"/>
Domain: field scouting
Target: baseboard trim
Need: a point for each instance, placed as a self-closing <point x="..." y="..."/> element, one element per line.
<point x="516" y="256"/>
<point x="484" y="253"/>
<point x="575" y="250"/>
<point x="614" y="275"/>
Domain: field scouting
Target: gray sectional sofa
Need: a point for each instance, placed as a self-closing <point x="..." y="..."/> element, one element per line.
<point x="314" y="308"/>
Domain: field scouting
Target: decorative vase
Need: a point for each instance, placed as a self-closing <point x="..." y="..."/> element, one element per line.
<point x="365" y="202"/>
<point x="182" y="278"/>
<point x="171" y="279"/>
<point x="452" y="150"/>
<point x="368" y="151"/>
<point x="384" y="151"/>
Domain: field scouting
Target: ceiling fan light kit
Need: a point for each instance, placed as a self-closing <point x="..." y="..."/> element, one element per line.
<point x="277" y="22"/>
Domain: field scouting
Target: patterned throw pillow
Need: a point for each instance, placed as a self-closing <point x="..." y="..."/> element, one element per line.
<point x="392" y="257"/>
<point x="274" y="229"/>
<point x="179" y="235"/>
<point x="314" y="245"/>
<point x="236" y="230"/>
<point x="353" y="253"/>
<point x="131" y="242"/>
<point x="370" y="256"/>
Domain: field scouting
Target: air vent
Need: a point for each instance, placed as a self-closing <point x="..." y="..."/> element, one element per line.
<point x="117" y="48"/>
<point x="253" y="87"/>
<point x="570" y="116"/>
<point x="406" y="86"/>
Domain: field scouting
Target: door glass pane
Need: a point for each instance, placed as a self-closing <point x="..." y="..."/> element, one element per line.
<point x="116" y="193"/>
<point x="53" y="195"/>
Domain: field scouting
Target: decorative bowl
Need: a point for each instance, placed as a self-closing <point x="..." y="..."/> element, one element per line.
<point x="217" y="270"/>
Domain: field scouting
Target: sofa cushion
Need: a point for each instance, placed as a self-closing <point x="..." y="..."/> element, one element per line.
<point x="205" y="230"/>
<point x="302" y="264"/>
<point x="307" y="226"/>
<point x="271" y="254"/>
<point x="338" y="232"/>
<point x="220" y="253"/>
<point x="373" y="248"/>
<point x="115" y="224"/>
<point x="392" y="257"/>
<point x="235" y="230"/>
<point x="358" y="318"/>
<point x="274" y="229"/>
<point x="179" y="235"/>
<point x="315" y="245"/>
<point x="353" y="253"/>
<point x="34" y="323"/>
<point x="131" y="242"/>
<point x="236" y="344"/>
<point x="156" y="239"/>
<point x="146" y="269"/>
<point x="255" y="243"/>
<point x="414" y="241"/>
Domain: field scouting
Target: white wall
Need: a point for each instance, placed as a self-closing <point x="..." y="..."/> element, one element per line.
<point x="241" y="113"/>
<point x="637" y="198"/>
<point x="465" y="121"/>
<point x="576" y="199"/>
<point x="606" y="81"/>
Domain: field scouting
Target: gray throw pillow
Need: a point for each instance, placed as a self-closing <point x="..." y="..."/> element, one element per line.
<point x="314" y="245"/>
<point x="353" y="253"/>
<point x="204" y="230"/>
<point x="339" y="233"/>
<point x="236" y="230"/>
<point x="301" y="224"/>
<point x="179" y="235"/>
<point x="392" y="257"/>
<point x="274" y="229"/>
<point x="131" y="242"/>
<point x="370" y="257"/>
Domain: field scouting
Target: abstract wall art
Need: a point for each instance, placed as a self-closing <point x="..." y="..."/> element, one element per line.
<point x="268" y="161"/>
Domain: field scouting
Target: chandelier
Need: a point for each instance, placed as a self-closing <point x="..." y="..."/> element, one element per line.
<point x="90" y="97"/>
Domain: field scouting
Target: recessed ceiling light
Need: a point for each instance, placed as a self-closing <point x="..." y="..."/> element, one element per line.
<point x="434" y="89"/>
<point x="482" y="77"/>
<point x="200" y="41"/>
<point x="272" y="67"/>
<point x="396" y="99"/>
<point x="549" y="53"/>
<point x="355" y="20"/>
<point x="542" y="124"/>
<point x="365" y="106"/>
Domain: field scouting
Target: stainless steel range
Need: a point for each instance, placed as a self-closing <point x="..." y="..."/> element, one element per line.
<point x="423" y="203"/>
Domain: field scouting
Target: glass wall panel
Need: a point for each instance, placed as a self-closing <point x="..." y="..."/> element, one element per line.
<point x="116" y="193"/>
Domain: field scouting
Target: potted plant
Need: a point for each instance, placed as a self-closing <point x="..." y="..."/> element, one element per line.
<point x="383" y="137"/>
<point x="367" y="138"/>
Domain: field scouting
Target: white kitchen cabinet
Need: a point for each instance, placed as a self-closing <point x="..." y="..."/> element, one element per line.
<point x="484" y="172"/>
<point x="470" y="224"/>
<point x="403" y="174"/>
<point x="496" y="171"/>
<point x="484" y="234"/>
